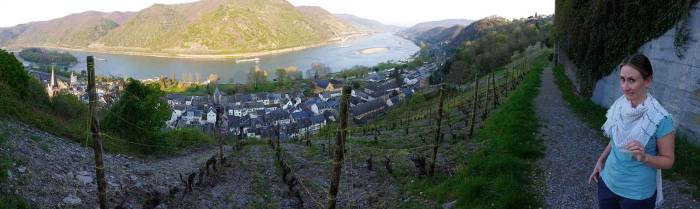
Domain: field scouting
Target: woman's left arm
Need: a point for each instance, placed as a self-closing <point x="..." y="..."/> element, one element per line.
<point x="665" y="157"/>
<point x="666" y="153"/>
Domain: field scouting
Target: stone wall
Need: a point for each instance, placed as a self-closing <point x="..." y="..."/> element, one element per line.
<point x="569" y="68"/>
<point x="676" y="81"/>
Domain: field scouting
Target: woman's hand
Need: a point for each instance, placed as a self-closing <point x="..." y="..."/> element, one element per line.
<point x="637" y="150"/>
<point x="596" y="172"/>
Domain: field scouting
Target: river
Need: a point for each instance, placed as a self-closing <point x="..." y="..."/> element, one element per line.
<point x="368" y="51"/>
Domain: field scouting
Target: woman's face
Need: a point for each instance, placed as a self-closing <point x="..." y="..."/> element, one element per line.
<point x="633" y="85"/>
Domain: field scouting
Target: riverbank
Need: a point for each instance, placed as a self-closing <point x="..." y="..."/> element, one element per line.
<point x="200" y="56"/>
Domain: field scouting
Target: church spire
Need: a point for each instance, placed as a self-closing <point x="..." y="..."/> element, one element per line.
<point x="53" y="77"/>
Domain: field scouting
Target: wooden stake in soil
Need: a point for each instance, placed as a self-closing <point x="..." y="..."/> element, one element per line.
<point x="437" y="131"/>
<point x="339" y="147"/>
<point x="476" y="102"/>
<point x="95" y="129"/>
<point x="495" y="96"/>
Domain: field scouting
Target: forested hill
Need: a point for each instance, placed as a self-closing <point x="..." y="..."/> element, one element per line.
<point x="202" y="27"/>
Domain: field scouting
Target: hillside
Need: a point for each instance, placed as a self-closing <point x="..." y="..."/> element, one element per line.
<point x="202" y="27"/>
<point x="324" y="22"/>
<point x="76" y="30"/>
<point x="440" y="34"/>
<point x="367" y="25"/>
<point x="419" y="28"/>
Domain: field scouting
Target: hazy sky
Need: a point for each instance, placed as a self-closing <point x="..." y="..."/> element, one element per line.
<point x="397" y="12"/>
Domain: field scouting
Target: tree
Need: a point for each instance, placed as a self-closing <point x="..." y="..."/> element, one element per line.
<point x="17" y="85"/>
<point x="320" y="69"/>
<point x="213" y="78"/>
<point x="396" y="75"/>
<point x="293" y="73"/>
<point x="67" y="106"/>
<point x="139" y="116"/>
<point x="281" y="74"/>
<point x="256" y="77"/>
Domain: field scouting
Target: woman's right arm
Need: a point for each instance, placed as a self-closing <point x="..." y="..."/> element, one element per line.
<point x="599" y="164"/>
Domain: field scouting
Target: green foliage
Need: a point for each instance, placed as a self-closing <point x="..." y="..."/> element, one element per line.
<point x="180" y="139"/>
<point x="19" y="83"/>
<point x="24" y="98"/>
<point x="68" y="106"/>
<point x="591" y="113"/>
<point x="281" y="74"/>
<point x="48" y="57"/>
<point x="498" y="174"/>
<point x="168" y="83"/>
<point x="598" y="34"/>
<point x="685" y="165"/>
<point x="256" y="77"/>
<point x="494" y="47"/>
<point x="10" y="201"/>
<point x="417" y="98"/>
<point x="382" y="66"/>
<point x="138" y="116"/>
<point x="356" y="71"/>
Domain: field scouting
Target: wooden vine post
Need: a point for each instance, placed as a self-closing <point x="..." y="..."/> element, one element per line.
<point x="339" y="147"/>
<point x="437" y="131"/>
<point x="95" y="129"/>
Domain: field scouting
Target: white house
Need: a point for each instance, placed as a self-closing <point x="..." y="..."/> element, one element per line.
<point x="211" y="116"/>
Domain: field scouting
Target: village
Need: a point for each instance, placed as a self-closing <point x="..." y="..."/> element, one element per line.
<point x="291" y="115"/>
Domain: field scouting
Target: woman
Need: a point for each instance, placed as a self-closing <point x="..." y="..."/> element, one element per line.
<point x="642" y="143"/>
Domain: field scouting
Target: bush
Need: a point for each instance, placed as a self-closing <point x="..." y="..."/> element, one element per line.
<point x="139" y="116"/>
<point x="417" y="98"/>
<point x="179" y="139"/>
<point x="68" y="106"/>
<point x="18" y="82"/>
<point x="13" y="202"/>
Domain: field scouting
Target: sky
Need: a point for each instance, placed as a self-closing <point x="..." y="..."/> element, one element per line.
<point x="395" y="12"/>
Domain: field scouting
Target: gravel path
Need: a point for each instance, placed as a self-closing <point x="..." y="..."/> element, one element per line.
<point x="572" y="150"/>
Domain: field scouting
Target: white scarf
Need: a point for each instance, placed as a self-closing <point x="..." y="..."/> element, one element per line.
<point x="626" y="123"/>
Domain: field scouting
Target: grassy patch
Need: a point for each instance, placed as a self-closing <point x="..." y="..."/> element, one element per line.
<point x="35" y="138"/>
<point x="498" y="174"/>
<point x="263" y="193"/>
<point x="13" y="202"/>
<point x="591" y="113"/>
<point x="685" y="165"/>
